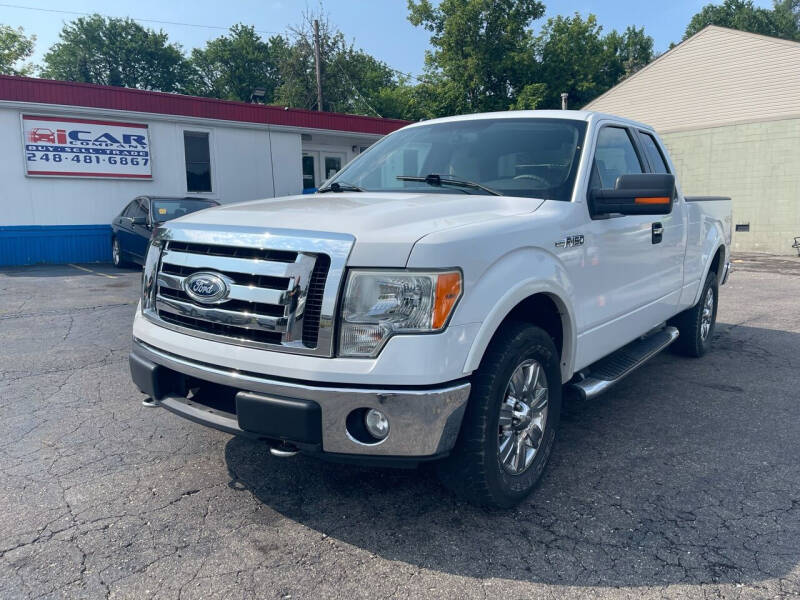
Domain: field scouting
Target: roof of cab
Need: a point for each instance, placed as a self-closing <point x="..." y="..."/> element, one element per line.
<point x="577" y="115"/>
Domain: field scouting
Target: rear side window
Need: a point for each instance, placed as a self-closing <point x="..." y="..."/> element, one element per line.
<point x="654" y="156"/>
<point x="614" y="155"/>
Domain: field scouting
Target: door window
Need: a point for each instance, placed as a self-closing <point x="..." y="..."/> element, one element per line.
<point x="130" y="210"/>
<point x="136" y="210"/>
<point x="614" y="155"/>
<point x="654" y="156"/>
<point x="144" y="207"/>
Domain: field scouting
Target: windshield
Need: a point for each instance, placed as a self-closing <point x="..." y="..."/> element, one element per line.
<point x="530" y="157"/>
<point x="166" y="209"/>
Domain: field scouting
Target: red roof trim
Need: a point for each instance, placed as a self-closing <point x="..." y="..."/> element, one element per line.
<point x="87" y="121"/>
<point x="46" y="91"/>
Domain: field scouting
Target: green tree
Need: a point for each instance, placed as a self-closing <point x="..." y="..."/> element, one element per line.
<point x="628" y="51"/>
<point x="118" y="52"/>
<point x="232" y="66"/>
<point x="15" y="47"/>
<point x="575" y="57"/>
<point x="782" y="21"/>
<point x="481" y="59"/>
<point x="352" y="80"/>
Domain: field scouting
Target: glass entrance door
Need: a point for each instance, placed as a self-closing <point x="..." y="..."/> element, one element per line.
<point x="309" y="172"/>
<point x="319" y="166"/>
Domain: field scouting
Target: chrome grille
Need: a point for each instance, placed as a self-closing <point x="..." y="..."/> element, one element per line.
<point x="278" y="298"/>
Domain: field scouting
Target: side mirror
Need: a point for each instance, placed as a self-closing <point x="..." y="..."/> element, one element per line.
<point x="139" y="221"/>
<point x="636" y="194"/>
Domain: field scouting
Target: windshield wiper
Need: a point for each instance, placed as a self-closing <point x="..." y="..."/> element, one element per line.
<point x="434" y="179"/>
<point x="339" y="187"/>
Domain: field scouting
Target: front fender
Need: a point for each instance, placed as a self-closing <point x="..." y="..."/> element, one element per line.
<point x="507" y="282"/>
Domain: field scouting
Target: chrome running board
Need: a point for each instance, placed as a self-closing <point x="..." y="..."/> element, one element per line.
<point x="598" y="377"/>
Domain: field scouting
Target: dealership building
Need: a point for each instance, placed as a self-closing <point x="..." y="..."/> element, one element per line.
<point x="73" y="155"/>
<point x="727" y="105"/>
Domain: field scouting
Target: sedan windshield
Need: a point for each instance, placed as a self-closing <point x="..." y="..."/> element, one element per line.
<point x="166" y="209"/>
<point x="530" y="157"/>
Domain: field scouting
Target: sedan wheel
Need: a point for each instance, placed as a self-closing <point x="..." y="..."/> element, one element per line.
<point x="116" y="253"/>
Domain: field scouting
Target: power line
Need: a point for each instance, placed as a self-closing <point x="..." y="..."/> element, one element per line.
<point x="359" y="95"/>
<point x="85" y="14"/>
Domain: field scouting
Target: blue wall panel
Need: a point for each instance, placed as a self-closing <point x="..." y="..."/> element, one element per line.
<point x="54" y="244"/>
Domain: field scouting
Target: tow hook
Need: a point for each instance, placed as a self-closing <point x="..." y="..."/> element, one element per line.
<point x="283" y="450"/>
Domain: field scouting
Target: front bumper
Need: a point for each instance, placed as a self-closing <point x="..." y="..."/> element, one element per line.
<point x="424" y="422"/>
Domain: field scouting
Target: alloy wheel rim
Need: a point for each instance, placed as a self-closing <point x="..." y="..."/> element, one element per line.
<point x="523" y="417"/>
<point x="707" y="315"/>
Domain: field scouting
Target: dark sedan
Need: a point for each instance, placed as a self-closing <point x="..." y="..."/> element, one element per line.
<point x="131" y="229"/>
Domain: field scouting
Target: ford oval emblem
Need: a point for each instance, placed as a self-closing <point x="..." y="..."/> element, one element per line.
<point x="206" y="288"/>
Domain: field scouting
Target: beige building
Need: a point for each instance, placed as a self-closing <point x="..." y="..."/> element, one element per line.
<point x="727" y="105"/>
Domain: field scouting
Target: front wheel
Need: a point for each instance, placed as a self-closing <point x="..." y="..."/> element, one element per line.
<point x="510" y="422"/>
<point x="116" y="254"/>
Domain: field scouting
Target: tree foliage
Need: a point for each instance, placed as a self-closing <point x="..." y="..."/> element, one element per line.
<point x="232" y="66"/>
<point x="782" y="21"/>
<point x="118" y="52"/>
<point x="351" y="78"/>
<point x="15" y="47"/>
<point x="575" y="57"/>
<point x="481" y="59"/>
<point x="485" y="56"/>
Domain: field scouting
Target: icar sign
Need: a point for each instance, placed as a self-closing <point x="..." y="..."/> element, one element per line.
<point x="61" y="147"/>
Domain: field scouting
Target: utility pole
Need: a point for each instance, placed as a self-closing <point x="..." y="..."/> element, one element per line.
<point x="318" y="62"/>
<point x="564" y="97"/>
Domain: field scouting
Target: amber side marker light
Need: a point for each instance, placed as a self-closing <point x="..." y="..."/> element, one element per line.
<point x="448" y="291"/>
<point x="658" y="200"/>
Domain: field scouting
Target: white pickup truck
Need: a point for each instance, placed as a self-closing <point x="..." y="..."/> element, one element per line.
<point x="434" y="299"/>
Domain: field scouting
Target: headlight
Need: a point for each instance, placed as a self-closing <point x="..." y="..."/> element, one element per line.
<point x="378" y="304"/>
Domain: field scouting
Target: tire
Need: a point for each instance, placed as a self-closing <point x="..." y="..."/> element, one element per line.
<point x="116" y="254"/>
<point x="476" y="470"/>
<point x="696" y="325"/>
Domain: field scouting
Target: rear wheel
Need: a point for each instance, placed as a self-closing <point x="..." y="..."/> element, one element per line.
<point x="510" y="422"/>
<point x="696" y="325"/>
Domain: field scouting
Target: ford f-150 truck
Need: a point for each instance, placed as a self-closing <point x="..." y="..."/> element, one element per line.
<point x="434" y="299"/>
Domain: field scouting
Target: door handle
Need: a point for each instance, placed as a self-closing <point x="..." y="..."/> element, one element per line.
<point x="658" y="233"/>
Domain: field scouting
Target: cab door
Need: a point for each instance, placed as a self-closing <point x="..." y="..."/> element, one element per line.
<point x="621" y="289"/>
<point x="671" y="248"/>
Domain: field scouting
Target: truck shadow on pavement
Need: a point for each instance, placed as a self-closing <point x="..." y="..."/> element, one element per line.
<point x="686" y="473"/>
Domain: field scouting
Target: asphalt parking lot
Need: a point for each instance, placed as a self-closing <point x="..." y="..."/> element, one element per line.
<point x="682" y="482"/>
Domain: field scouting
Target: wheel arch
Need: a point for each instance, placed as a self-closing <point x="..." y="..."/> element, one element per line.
<point x="537" y="303"/>
<point x="715" y="262"/>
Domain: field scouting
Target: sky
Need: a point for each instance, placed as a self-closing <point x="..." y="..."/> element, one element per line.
<point x="379" y="27"/>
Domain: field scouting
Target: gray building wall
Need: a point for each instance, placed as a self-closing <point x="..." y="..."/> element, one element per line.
<point x="727" y="105"/>
<point x="758" y="166"/>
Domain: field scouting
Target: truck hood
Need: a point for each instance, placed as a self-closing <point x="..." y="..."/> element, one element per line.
<point x="386" y="225"/>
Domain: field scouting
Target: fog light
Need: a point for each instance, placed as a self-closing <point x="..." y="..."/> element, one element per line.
<point x="376" y="423"/>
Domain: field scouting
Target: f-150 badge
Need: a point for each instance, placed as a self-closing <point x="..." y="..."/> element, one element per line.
<point x="570" y="241"/>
